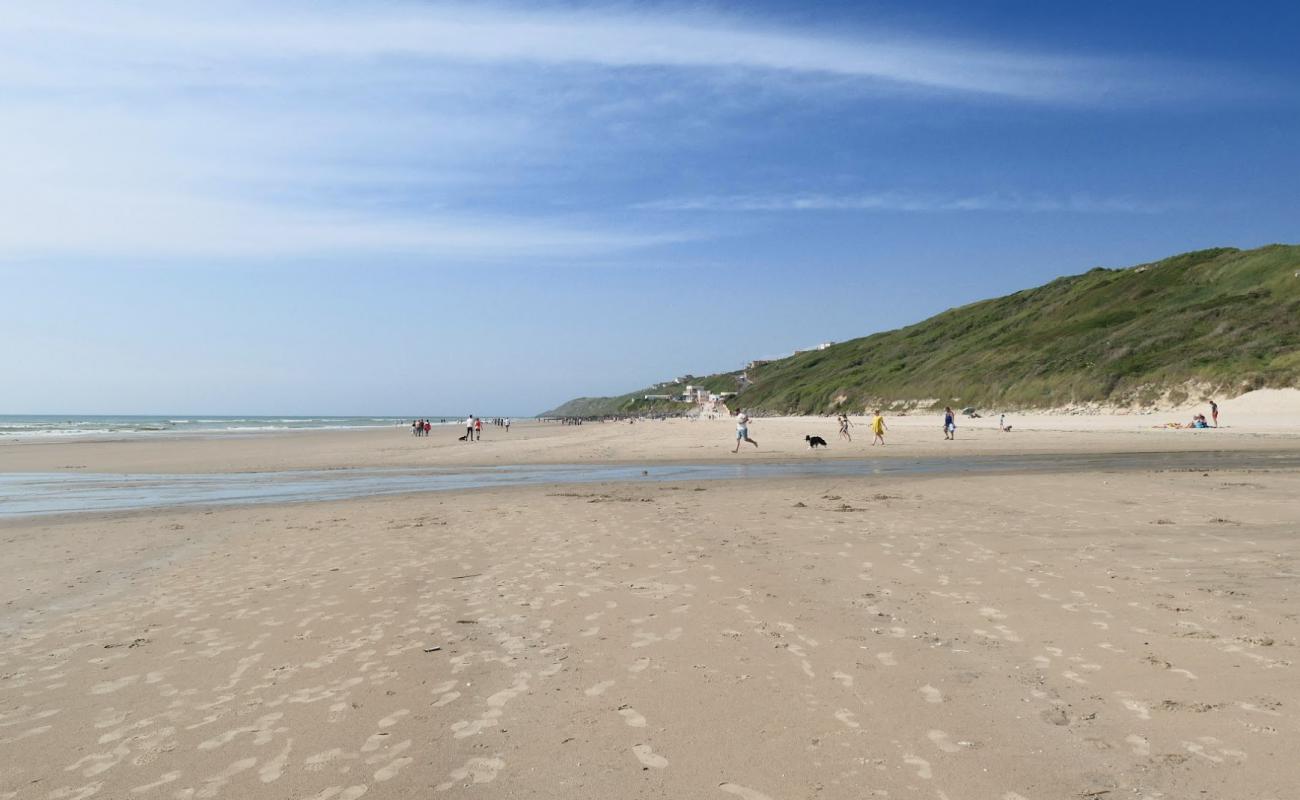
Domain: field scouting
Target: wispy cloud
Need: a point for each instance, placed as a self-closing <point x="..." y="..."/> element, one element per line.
<point x="904" y="202"/>
<point x="224" y="129"/>
<point x="196" y="37"/>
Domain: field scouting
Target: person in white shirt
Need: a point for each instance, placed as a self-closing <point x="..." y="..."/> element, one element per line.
<point x="507" y="424"/>
<point x="742" y="430"/>
<point x="469" y="428"/>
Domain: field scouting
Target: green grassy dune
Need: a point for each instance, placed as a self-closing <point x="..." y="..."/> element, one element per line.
<point x="1221" y="320"/>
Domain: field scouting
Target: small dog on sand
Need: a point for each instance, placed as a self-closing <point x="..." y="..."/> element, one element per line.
<point x="461" y="439"/>
<point x="815" y="441"/>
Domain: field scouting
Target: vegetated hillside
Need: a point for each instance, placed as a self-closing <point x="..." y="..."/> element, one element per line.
<point x="1226" y="320"/>
<point x="635" y="402"/>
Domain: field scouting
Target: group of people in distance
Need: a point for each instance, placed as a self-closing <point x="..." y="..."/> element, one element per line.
<point x="879" y="428"/>
<point x="877" y="425"/>
<point x="473" y="427"/>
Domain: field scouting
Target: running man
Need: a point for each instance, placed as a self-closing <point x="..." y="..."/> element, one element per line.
<point x="878" y="427"/>
<point x="742" y="430"/>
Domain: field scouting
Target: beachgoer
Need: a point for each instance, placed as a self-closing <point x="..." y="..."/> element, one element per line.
<point x="469" y="428"/>
<point x="428" y="426"/>
<point x="742" y="430"/>
<point x="1214" y="412"/>
<point x="878" y="427"/>
<point x="507" y="424"/>
<point x="949" y="424"/>
<point x="845" y="424"/>
<point x="478" y="428"/>
<point x="415" y="427"/>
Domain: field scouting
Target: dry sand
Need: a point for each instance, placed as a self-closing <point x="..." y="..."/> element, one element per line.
<point x="1002" y="637"/>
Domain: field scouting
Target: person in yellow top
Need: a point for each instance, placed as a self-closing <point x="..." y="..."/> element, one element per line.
<point x="878" y="427"/>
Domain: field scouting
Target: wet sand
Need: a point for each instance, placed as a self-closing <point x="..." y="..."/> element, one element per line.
<point x="1011" y="636"/>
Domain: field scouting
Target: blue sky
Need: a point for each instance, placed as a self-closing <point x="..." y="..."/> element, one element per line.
<point x="416" y="208"/>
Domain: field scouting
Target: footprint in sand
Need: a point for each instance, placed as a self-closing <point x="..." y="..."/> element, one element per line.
<point x="476" y="770"/>
<point x="1143" y="710"/>
<point x="80" y="793"/>
<point x="847" y="717"/>
<point x="163" y="780"/>
<point x="931" y="694"/>
<point x="337" y="712"/>
<point x="599" y="688"/>
<point x="108" y="687"/>
<point x="631" y="717"/>
<point x="1140" y="745"/>
<point x="331" y="792"/>
<point x="393" y="767"/>
<point x="887" y="659"/>
<point x="273" y="769"/>
<point x="940" y="740"/>
<point x="445" y="699"/>
<point x="743" y="792"/>
<point x="321" y="760"/>
<point x="922" y="766"/>
<point x="639" y="665"/>
<point x="845" y="680"/>
<point x="648" y="757"/>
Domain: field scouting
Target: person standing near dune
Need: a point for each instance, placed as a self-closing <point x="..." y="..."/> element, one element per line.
<point x="949" y="424"/>
<point x="878" y="428"/>
<point x="1214" y="412"/>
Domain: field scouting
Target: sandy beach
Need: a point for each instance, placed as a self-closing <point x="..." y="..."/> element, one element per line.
<point x="1261" y="421"/>
<point x="1017" y="637"/>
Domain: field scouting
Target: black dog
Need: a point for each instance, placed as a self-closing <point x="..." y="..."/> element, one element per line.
<point x="461" y="439"/>
<point x="815" y="441"/>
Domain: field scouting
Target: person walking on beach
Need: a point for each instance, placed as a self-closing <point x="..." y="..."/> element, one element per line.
<point x="845" y="424"/>
<point x="415" y="428"/>
<point x="478" y="428"/>
<point x="507" y="424"/>
<point x="469" y="428"/>
<point x="878" y="428"/>
<point x="1214" y="412"/>
<point x="428" y="427"/>
<point x="742" y="430"/>
<point x="949" y="424"/>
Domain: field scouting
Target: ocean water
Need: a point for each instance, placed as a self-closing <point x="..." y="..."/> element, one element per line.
<point x="49" y="425"/>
